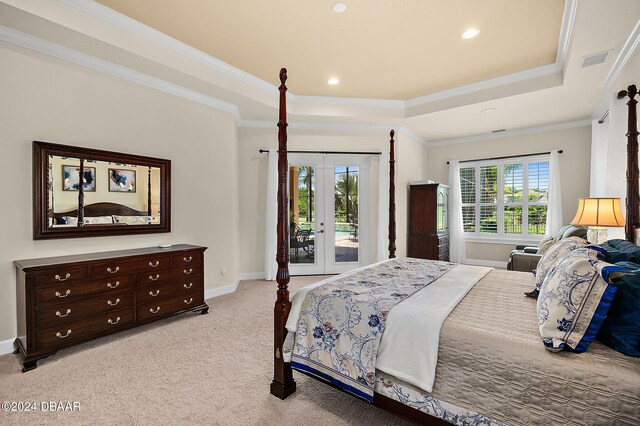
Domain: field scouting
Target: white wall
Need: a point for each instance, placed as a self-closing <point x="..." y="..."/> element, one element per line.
<point x="253" y="174"/>
<point x="574" y="170"/>
<point x="609" y="166"/>
<point x="49" y="100"/>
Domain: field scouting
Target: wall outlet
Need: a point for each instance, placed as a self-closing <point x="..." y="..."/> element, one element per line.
<point x="223" y="270"/>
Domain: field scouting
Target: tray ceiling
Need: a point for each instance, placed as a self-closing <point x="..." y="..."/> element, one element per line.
<point x="377" y="49"/>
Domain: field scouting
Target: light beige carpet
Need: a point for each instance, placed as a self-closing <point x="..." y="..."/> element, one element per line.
<point x="209" y="369"/>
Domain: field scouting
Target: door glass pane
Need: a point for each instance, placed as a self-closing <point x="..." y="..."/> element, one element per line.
<point x="346" y="214"/>
<point x="301" y="214"/>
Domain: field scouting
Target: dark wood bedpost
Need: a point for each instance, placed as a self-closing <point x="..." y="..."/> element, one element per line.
<point x="392" y="198"/>
<point x="149" y="192"/>
<point x="633" y="196"/>
<point x="283" y="384"/>
<point x="81" y="194"/>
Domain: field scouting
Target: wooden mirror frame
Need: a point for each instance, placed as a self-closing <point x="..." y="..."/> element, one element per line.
<point x="41" y="228"/>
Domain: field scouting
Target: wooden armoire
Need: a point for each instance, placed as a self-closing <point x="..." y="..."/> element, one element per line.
<point x="428" y="236"/>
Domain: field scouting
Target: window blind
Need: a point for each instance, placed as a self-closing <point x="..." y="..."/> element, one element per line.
<point x="505" y="198"/>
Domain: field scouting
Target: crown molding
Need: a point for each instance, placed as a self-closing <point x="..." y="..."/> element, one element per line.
<point x="333" y="100"/>
<point x="568" y="17"/>
<point x="57" y="51"/>
<point x="413" y="136"/>
<point x="106" y="14"/>
<point x="395" y="108"/>
<point x="301" y="125"/>
<point x="623" y="58"/>
<point x="510" y="133"/>
<point x="336" y="127"/>
<point x="139" y="29"/>
<point x="486" y="84"/>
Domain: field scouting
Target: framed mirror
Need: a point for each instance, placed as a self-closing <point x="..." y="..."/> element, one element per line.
<point x="84" y="192"/>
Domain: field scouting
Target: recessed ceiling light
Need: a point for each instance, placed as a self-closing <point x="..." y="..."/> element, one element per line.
<point x="470" y="33"/>
<point x="333" y="81"/>
<point x="489" y="110"/>
<point x="339" y="7"/>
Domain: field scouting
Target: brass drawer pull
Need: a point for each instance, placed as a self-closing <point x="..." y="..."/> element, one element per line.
<point x="113" y="285"/>
<point x="66" y="277"/>
<point x="112" y="322"/>
<point x="155" y="311"/>
<point x="154" y="295"/>
<point x="110" y="303"/>
<point x="187" y="286"/>
<point x="154" y="279"/>
<point x="109" y="270"/>
<point x="60" y="295"/>
<point x="188" y="302"/>
<point x="58" y="334"/>
<point x="154" y="265"/>
<point x="187" y="272"/>
<point x="188" y="260"/>
<point x="61" y="315"/>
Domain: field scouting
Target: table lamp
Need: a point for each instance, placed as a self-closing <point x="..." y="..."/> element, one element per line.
<point x="598" y="214"/>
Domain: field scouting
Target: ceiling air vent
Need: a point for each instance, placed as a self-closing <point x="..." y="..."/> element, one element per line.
<point x="595" y="59"/>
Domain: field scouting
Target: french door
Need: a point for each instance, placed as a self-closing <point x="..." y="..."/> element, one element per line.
<point x="329" y="213"/>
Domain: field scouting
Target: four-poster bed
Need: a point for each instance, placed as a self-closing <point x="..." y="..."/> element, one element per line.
<point x="492" y="370"/>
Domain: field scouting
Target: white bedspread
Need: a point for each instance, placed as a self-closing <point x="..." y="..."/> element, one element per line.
<point x="409" y="346"/>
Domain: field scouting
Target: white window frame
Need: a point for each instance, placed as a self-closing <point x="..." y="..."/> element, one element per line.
<point x="500" y="236"/>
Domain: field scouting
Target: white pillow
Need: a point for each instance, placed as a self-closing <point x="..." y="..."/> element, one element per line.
<point x="70" y="220"/>
<point x="545" y="245"/>
<point x="554" y="254"/>
<point x="574" y="300"/>
<point x="94" y="220"/>
<point x="132" y="220"/>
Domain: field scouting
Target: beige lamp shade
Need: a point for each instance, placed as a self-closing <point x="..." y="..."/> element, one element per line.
<point x="599" y="212"/>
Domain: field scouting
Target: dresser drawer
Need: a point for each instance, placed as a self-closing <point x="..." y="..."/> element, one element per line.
<point x="170" y="288"/>
<point x="163" y="308"/>
<point x="187" y="258"/>
<point x="118" y="268"/>
<point x="62" y="274"/>
<point x="74" y="310"/>
<point x="175" y="272"/>
<point x="76" y="291"/>
<point x="81" y="330"/>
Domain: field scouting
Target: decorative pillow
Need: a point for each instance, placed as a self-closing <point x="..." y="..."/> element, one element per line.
<point x="574" y="300"/>
<point x="621" y="328"/>
<point x="132" y="220"/>
<point x="620" y="250"/>
<point x="97" y="220"/>
<point x="69" y="220"/>
<point x="545" y="245"/>
<point x="556" y="252"/>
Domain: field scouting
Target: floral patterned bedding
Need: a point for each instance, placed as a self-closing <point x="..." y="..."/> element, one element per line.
<point x="341" y="323"/>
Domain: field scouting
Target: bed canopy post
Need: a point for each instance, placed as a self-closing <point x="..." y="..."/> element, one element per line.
<point x="149" y="193"/>
<point x="392" y="198"/>
<point x="283" y="384"/>
<point x="633" y="196"/>
<point x="81" y="193"/>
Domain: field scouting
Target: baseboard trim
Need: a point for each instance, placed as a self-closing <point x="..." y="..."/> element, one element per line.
<point x="243" y="276"/>
<point x="489" y="263"/>
<point x="220" y="291"/>
<point x="6" y="346"/>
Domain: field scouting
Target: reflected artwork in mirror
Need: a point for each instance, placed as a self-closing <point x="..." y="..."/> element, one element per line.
<point x="120" y="193"/>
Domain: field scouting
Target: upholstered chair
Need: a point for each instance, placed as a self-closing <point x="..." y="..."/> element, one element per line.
<point x="525" y="257"/>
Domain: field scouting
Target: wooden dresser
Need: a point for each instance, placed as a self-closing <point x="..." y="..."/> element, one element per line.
<point x="428" y="236"/>
<point x="71" y="299"/>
